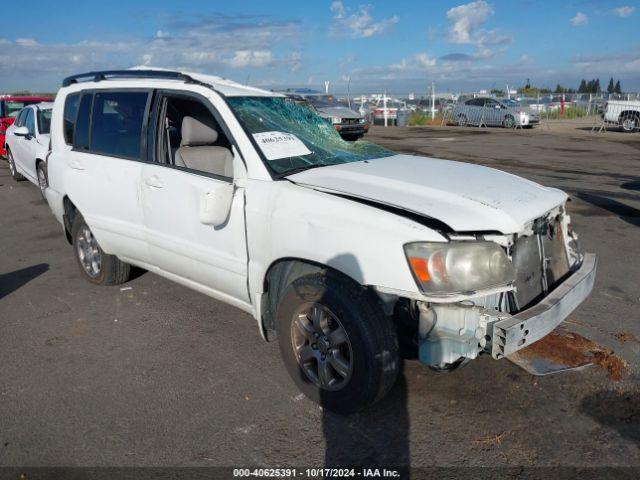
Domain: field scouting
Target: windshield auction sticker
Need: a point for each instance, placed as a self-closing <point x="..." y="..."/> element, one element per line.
<point x="276" y="145"/>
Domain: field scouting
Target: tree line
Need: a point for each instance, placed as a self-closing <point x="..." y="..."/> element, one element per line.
<point x="591" y="86"/>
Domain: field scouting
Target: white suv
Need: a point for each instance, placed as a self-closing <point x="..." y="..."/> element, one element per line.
<point x="349" y="254"/>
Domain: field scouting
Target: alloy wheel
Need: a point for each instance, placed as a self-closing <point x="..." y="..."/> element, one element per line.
<point x="42" y="180"/>
<point x="321" y="346"/>
<point x="89" y="252"/>
<point x="12" y="166"/>
<point x="629" y="124"/>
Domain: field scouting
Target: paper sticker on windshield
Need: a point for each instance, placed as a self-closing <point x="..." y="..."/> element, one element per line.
<point x="277" y="145"/>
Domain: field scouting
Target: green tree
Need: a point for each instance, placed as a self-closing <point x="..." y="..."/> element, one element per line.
<point x="583" y="86"/>
<point x="611" y="87"/>
<point x="617" y="88"/>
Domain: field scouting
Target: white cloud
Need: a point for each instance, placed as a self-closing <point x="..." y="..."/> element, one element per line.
<point x="425" y="61"/>
<point x="466" y="22"/>
<point x="358" y="24"/>
<point x="337" y="8"/>
<point x="26" y="42"/>
<point x="624" y="11"/>
<point x="579" y="20"/>
<point x="250" y="58"/>
<point x="466" y="19"/>
<point x="200" y="44"/>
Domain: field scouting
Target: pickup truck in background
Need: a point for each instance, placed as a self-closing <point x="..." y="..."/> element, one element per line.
<point x="624" y="113"/>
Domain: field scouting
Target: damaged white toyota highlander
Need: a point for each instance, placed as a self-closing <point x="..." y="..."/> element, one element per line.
<point x="349" y="254"/>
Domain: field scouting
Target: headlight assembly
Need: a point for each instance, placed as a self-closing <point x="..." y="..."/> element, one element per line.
<point x="336" y="120"/>
<point x="459" y="267"/>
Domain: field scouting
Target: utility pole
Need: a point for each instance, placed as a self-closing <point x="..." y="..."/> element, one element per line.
<point x="326" y="87"/>
<point x="349" y="91"/>
<point x="384" y="107"/>
<point x="433" y="100"/>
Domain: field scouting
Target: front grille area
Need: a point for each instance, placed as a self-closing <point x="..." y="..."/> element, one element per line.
<point x="350" y="121"/>
<point x="541" y="262"/>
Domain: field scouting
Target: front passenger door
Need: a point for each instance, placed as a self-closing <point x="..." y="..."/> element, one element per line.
<point x="211" y="259"/>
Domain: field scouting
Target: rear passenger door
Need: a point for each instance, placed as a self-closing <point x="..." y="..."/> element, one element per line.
<point x="212" y="259"/>
<point x="107" y="131"/>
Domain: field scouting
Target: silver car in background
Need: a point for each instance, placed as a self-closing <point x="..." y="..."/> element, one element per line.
<point x="351" y="125"/>
<point x="494" y="112"/>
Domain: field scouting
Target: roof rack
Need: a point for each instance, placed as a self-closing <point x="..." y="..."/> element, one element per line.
<point x="108" y="74"/>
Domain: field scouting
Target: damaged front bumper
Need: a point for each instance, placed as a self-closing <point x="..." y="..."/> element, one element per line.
<point x="463" y="330"/>
<point x="526" y="327"/>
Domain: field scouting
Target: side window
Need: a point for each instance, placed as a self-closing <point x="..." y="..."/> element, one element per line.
<point x="117" y="123"/>
<point x="81" y="130"/>
<point x="191" y="137"/>
<point x="70" y="111"/>
<point x="20" y="118"/>
<point x="30" y="122"/>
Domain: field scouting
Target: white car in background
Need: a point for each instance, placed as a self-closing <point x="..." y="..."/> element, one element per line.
<point x="27" y="144"/>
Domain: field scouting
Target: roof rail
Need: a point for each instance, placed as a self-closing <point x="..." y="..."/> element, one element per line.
<point x="106" y="74"/>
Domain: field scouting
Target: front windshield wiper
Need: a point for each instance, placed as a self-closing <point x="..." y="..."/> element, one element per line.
<point x="292" y="171"/>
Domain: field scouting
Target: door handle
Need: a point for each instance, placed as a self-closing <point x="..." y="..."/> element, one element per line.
<point x="76" y="164"/>
<point x="153" y="182"/>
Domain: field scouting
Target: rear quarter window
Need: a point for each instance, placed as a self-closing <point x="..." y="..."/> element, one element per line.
<point x="81" y="130"/>
<point x="70" y="111"/>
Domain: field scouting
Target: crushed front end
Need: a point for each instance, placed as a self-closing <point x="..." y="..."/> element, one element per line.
<point x="534" y="280"/>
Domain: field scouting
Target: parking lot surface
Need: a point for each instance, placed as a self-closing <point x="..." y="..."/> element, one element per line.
<point x="153" y="374"/>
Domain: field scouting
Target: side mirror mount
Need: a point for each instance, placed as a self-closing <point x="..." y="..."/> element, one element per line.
<point x="215" y="205"/>
<point x="21" y="132"/>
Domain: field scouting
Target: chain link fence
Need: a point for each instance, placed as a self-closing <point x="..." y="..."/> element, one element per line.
<point x="599" y="111"/>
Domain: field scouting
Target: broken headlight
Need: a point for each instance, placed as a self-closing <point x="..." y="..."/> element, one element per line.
<point x="459" y="267"/>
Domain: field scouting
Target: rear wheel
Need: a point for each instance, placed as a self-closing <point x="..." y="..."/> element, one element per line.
<point x="462" y="120"/>
<point x="98" y="267"/>
<point x="629" y="123"/>
<point x="41" y="170"/>
<point x="17" y="176"/>
<point x="337" y="345"/>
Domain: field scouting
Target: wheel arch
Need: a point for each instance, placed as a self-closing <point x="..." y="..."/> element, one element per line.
<point x="70" y="212"/>
<point x="628" y="113"/>
<point x="280" y="273"/>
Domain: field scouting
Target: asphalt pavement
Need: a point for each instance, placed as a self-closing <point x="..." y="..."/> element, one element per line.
<point x="151" y="373"/>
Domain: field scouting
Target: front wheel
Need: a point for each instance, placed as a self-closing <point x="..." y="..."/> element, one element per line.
<point x="509" y="122"/>
<point x="97" y="266"/>
<point x="337" y="345"/>
<point x="17" y="176"/>
<point x="630" y="123"/>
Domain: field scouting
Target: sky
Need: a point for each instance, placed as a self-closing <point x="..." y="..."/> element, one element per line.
<point x="373" y="46"/>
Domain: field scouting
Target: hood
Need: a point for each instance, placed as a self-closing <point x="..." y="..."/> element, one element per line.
<point x="464" y="196"/>
<point x="342" y="112"/>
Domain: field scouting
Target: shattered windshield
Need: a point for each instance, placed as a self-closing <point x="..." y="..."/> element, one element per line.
<point x="294" y="138"/>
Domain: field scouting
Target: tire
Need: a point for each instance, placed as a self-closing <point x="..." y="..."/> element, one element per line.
<point x="41" y="172"/>
<point x="17" y="176"/>
<point x="462" y="120"/>
<point x="96" y="266"/>
<point x="629" y="123"/>
<point x="365" y="352"/>
<point x="509" y="122"/>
